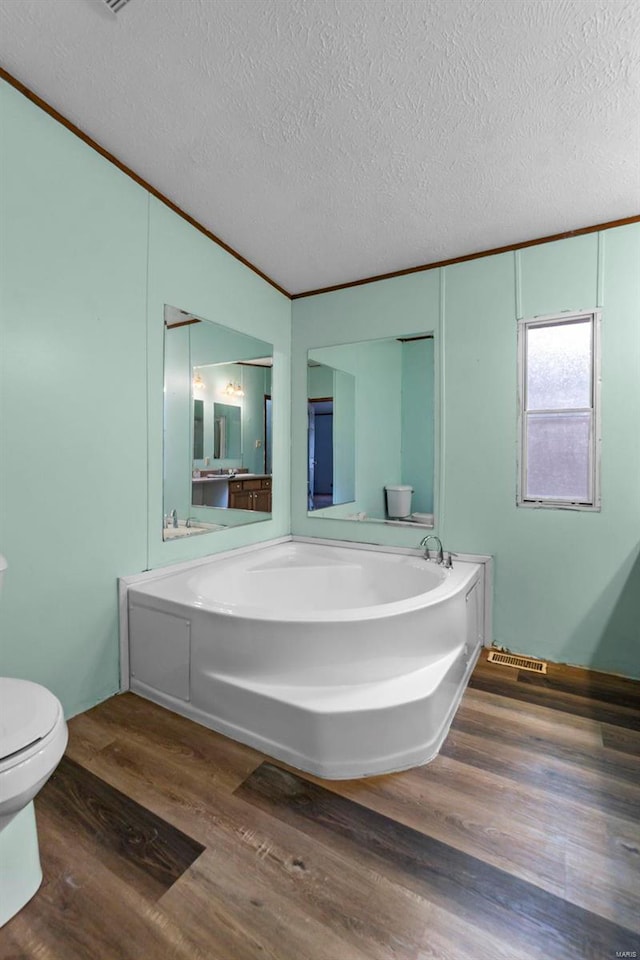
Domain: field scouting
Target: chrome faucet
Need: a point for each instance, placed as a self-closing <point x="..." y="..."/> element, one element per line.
<point x="174" y="518"/>
<point x="425" y="543"/>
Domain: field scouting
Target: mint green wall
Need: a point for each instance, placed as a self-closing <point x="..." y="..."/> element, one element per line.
<point x="418" y="423"/>
<point x="73" y="424"/>
<point x="567" y="584"/>
<point x="88" y="261"/>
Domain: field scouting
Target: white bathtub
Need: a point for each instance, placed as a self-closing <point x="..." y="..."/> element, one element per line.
<point x="342" y="662"/>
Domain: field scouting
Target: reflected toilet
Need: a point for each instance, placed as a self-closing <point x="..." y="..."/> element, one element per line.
<point x="398" y="501"/>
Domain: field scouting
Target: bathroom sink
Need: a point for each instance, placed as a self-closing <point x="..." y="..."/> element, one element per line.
<point x="178" y="533"/>
<point x="173" y="533"/>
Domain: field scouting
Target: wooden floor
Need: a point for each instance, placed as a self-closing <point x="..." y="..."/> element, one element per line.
<point x="160" y="839"/>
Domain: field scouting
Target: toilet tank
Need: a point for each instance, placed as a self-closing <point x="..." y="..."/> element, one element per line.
<point x="398" y="500"/>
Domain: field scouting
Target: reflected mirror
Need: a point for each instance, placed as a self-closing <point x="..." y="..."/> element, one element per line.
<point x="217" y="426"/>
<point x="371" y="430"/>
<point x="227" y="426"/>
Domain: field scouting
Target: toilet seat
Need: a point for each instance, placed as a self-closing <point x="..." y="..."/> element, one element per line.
<point x="28" y="713"/>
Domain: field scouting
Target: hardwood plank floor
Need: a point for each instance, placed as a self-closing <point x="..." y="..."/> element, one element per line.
<point x="147" y="851"/>
<point x="601" y="697"/>
<point x="542" y="923"/>
<point x="162" y="839"/>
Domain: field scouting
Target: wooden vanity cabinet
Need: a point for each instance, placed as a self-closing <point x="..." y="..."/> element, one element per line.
<point x="240" y="499"/>
<point x="262" y="500"/>
<point x="252" y="494"/>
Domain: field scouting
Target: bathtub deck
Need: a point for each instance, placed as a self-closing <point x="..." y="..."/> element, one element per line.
<point x="162" y="839"/>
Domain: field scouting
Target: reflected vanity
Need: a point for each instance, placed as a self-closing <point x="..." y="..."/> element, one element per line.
<point x="217" y="426"/>
<point x="371" y="427"/>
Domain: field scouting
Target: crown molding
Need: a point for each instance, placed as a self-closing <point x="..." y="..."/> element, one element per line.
<point x="56" y="115"/>
<point x="595" y="228"/>
<point x="39" y="102"/>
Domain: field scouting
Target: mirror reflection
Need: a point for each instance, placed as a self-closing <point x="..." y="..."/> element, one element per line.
<point x="371" y="430"/>
<point x="217" y="426"/>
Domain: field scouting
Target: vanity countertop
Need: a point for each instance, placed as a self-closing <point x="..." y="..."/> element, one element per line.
<point x="232" y="476"/>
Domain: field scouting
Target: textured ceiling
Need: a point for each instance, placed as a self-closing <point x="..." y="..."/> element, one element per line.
<point x="329" y="140"/>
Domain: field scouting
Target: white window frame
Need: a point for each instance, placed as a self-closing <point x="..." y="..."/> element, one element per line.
<point x="593" y="505"/>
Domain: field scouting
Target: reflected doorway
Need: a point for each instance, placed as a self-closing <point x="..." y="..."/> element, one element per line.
<point x="268" y="433"/>
<point x="320" y="434"/>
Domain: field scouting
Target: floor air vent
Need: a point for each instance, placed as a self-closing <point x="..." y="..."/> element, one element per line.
<point x="522" y="663"/>
<point x="116" y="5"/>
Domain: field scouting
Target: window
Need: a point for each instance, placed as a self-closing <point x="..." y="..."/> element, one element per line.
<point x="559" y="428"/>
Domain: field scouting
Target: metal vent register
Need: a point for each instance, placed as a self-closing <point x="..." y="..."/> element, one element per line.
<point x="116" y="5"/>
<point x="523" y="663"/>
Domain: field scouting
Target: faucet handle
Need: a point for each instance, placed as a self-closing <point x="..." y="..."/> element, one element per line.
<point x="448" y="560"/>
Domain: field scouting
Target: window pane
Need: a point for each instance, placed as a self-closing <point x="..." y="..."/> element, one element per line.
<point x="558" y="462"/>
<point x="559" y="366"/>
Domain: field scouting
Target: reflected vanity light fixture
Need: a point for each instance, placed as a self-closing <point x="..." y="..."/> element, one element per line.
<point x="198" y="383"/>
<point x="233" y="390"/>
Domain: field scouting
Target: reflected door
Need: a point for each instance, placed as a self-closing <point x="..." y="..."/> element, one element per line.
<point x="321" y="481"/>
<point x="311" y="453"/>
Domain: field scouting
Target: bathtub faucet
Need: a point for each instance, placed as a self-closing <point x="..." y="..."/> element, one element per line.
<point x="425" y="543"/>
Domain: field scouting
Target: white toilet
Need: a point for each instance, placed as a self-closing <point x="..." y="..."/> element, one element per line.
<point x="33" y="737"/>
<point x="398" y="501"/>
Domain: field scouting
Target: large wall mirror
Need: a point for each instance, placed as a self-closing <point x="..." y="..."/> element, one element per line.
<point x="217" y="426"/>
<point x="371" y="430"/>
